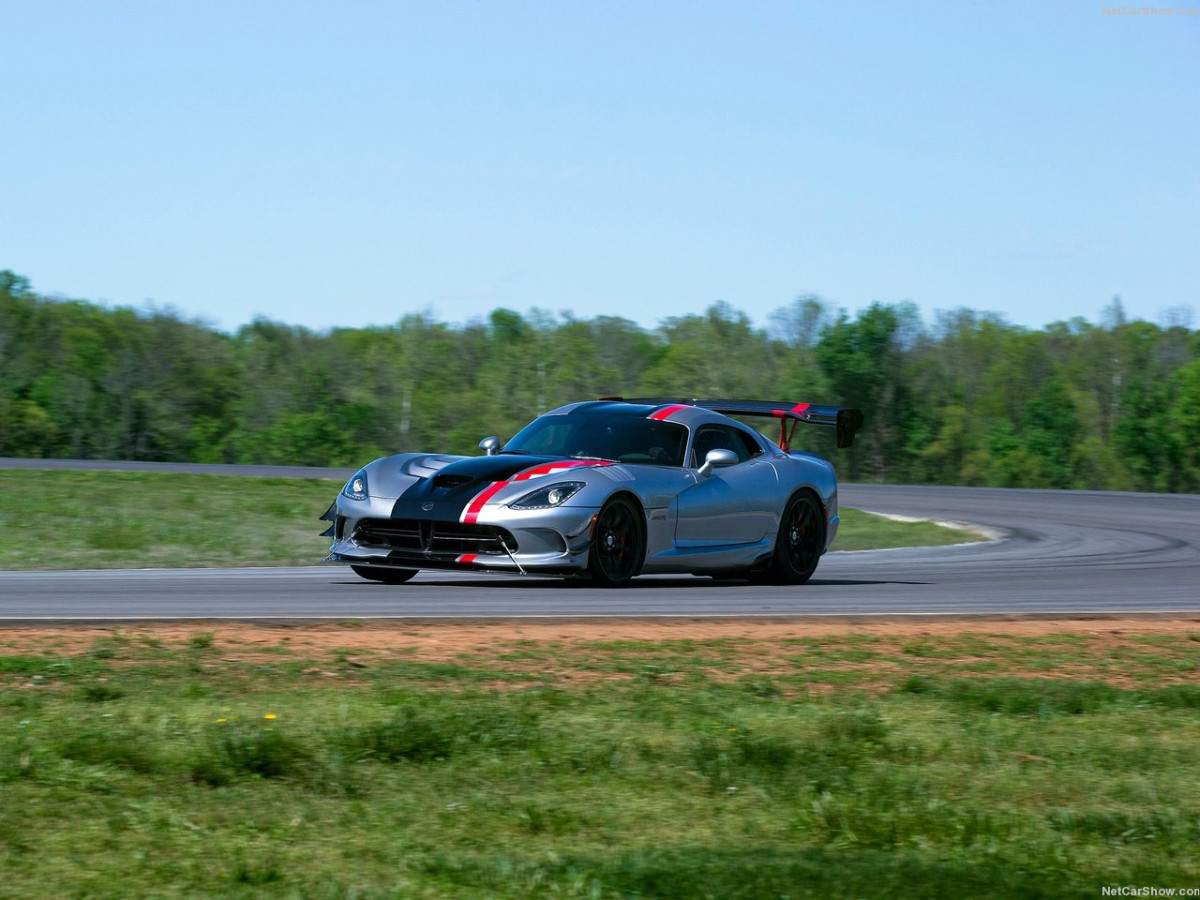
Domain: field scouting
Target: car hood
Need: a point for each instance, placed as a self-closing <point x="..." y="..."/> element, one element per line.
<point x="444" y="495"/>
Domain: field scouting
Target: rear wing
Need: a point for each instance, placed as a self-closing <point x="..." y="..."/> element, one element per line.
<point x="847" y="421"/>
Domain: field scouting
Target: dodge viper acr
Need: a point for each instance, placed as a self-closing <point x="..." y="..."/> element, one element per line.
<point x="606" y="490"/>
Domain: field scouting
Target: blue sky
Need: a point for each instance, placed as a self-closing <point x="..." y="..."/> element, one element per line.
<point x="348" y="163"/>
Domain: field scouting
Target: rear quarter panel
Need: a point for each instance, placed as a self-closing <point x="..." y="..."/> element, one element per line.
<point x="807" y="470"/>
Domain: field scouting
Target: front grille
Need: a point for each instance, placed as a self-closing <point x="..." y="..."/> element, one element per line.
<point x="435" y="538"/>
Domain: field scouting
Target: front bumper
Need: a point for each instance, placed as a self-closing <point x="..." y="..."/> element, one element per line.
<point x="549" y="542"/>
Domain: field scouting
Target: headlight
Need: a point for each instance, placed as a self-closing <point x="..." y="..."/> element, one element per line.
<point x="547" y="497"/>
<point x="356" y="487"/>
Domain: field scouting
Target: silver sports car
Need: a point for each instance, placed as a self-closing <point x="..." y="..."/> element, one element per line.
<point x="606" y="489"/>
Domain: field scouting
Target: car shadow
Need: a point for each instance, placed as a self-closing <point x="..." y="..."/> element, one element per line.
<point x="652" y="582"/>
<point x="863" y="581"/>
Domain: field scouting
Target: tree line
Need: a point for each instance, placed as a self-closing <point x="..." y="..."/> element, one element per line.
<point x="967" y="399"/>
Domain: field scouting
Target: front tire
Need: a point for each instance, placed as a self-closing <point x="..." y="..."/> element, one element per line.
<point x="619" y="543"/>
<point x="800" y="541"/>
<point x="386" y="576"/>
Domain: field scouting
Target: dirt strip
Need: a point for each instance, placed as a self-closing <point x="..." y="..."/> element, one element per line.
<point x="448" y="640"/>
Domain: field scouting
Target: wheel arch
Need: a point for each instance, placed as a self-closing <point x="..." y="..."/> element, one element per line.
<point x="783" y="568"/>
<point x="638" y="505"/>
<point x="611" y="561"/>
<point x="816" y="495"/>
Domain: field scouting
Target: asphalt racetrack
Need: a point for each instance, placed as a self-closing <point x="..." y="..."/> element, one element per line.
<point x="1063" y="552"/>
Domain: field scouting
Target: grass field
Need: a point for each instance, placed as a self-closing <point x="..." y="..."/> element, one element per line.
<point x="83" y="520"/>
<point x="415" y="762"/>
<point x="723" y="761"/>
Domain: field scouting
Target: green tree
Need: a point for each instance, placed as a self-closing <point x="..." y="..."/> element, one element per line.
<point x="1184" y="419"/>
<point x="865" y="361"/>
<point x="973" y="400"/>
<point x="713" y="355"/>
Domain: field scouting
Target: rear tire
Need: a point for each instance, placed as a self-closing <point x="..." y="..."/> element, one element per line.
<point x="386" y="576"/>
<point x="619" y="543"/>
<point x="800" y="541"/>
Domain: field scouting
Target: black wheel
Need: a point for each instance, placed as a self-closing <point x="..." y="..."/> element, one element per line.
<point x="800" y="542"/>
<point x="387" y="576"/>
<point x="619" y="543"/>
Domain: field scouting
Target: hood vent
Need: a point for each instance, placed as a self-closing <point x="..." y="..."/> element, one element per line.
<point x="450" y="481"/>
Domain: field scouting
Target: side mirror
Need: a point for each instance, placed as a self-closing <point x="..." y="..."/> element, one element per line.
<point x="490" y="445"/>
<point x="717" y="459"/>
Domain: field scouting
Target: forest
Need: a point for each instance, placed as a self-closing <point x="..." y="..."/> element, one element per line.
<point x="967" y="399"/>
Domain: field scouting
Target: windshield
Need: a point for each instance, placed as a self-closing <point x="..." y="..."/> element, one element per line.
<point x="624" y="439"/>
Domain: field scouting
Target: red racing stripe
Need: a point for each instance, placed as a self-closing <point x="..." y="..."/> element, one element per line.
<point x="667" y="411"/>
<point x="796" y="410"/>
<point x="554" y="467"/>
<point x="467" y="559"/>
<point x="471" y="513"/>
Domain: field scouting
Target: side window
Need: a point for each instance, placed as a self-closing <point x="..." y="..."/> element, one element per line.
<point x="722" y="437"/>
<point x="750" y="448"/>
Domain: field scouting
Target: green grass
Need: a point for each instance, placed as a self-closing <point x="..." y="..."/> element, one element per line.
<point x="84" y="520"/>
<point x="199" y="767"/>
<point x="860" y="530"/>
